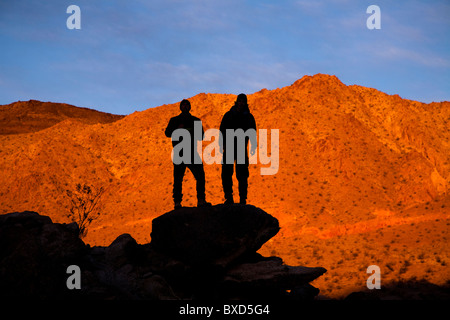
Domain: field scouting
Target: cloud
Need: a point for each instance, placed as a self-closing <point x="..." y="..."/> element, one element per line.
<point x="422" y="58"/>
<point x="310" y="6"/>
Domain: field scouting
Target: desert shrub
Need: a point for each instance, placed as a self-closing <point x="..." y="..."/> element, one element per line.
<point x="84" y="207"/>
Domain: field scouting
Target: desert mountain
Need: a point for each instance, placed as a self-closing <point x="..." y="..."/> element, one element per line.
<point x="33" y="115"/>
<point x="363" y="176"/>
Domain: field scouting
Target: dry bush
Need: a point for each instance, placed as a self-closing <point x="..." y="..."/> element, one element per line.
<point x="84" y="205"/>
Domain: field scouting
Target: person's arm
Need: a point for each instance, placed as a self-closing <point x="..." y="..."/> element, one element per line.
<point x="170" y="128"/>
<point x="223" y="129"/>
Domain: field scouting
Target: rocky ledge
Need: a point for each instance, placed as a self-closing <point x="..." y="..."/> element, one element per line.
<point x="195" y="254"/>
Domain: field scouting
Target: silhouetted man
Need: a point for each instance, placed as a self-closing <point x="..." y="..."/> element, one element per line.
<point x="238" y="117"/>
<point x="191" y="158"/>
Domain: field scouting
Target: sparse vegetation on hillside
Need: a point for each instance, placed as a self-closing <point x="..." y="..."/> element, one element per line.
<point x="84" y="206"/>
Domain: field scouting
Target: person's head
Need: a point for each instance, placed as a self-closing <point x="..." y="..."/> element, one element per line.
<point x="185" y="106"/>
<point x="241" y="102"/>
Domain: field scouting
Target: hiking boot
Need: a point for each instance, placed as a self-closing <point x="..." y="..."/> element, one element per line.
<point x="203" y="203"/>
<point x="178" y="205"/>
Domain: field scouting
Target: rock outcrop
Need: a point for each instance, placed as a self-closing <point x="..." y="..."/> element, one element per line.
<point x="33" y="253"/>
<point x="213" y="235"/>
<point x="195" y="253"/>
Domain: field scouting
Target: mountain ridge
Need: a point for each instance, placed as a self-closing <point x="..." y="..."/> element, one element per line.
<point x="33" y="115"/>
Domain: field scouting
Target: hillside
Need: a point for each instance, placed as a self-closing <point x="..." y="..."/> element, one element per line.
<point x="30" y="116"/>
<point x="363" y="176"/>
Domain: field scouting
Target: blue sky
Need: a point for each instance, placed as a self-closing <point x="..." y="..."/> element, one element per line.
<point x="136" y="54"/>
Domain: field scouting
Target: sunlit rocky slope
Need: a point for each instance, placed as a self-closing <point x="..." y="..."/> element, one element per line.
<point x="363" y="176"/>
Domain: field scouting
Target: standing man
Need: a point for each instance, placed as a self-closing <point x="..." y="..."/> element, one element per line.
<point x="187" y="122"/>
<point x="238" y="117"/>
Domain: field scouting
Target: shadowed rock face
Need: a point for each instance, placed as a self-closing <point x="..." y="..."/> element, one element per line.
<point x="195" y="253"/>
<point x="213" y="235"/>
<point x="33" y="253"/>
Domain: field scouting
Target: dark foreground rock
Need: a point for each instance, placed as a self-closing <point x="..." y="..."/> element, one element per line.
<point x="213" y="235"/>
<point x="195" y="253"/>
<point x="33" y="253"/>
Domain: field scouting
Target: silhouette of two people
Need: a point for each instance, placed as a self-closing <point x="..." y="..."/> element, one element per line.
<point x="238" y="117"/>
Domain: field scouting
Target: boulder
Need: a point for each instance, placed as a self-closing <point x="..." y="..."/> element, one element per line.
<point x="35" y="253"/>
<point x="271" y="277"/>
<point x="124" y="249"/>
<point x="216" y="235"/>
<point x="271" y="273"/>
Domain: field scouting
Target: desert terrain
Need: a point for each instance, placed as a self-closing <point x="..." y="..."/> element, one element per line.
<point x="363" y="176"/>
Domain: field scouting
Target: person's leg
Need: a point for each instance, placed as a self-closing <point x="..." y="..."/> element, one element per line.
<point x="242" y="174"/>
<point x="178" y="174"/>
<point x="199" y="174"/>
<point x="227" y="182"/>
